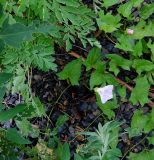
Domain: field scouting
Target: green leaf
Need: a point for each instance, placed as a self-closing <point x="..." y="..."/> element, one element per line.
<point x="143" y="29"/>
<point x="136" y="3"/>
<point x="72" y="71"/>
<point x="147" y="10"/>
<point x="77" y="157"/>
<point x="141" y="91"/>
<point x="126" y="9"/>
<point x="109" y="3"/>
<point x="14" y="136"/>
<point x="39" y="107"/>
<point x="4" y="77"/>
<point x="108" y="107"/>
<point x="66" y="152"/>
<point x="118" y="61"/>
<point x="151" y="46"/>
<point x="93" y="58"/>
<point x="142" y="65"/>
<point x="108" y="22"/>
<point x="144" y="155"/>
<point x="137" y="49"/>
<point x="138" y="123"/>
<point x="151" y="139"/>
<point x="11" y="113"/>
<point x="126" y="43"/>
<point x="61" y="120"/>
<point x="96" y="78"/>
<point x="16" y="33"/>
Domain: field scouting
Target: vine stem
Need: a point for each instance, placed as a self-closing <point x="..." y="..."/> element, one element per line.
<point x="130" y="88"/>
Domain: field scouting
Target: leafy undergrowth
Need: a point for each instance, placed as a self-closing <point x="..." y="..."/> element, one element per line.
<point x="77" y="80"/>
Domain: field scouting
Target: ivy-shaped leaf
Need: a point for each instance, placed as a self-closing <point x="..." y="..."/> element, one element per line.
<point x="14" y="136"/>
<point x="147" y="10"/>
<point x="93" y="58"/>
<point x="109" y="3"/>
<point x="118" y="61"/>
<point x="108" y="22"/>
<point x="137" y="52"/>
<point x="11" y="113"/>
<point x="141" y="91"/>
<point x="72" y="71"/>
<point x="126" y="9"/>
<point x="136" y="3"/>
<point x="142" y="65"/>
<point x="144" y="155"/>
<point x="125" y="43"/>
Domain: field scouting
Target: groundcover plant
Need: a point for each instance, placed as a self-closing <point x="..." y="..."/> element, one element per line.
<point x="76" y="79"/>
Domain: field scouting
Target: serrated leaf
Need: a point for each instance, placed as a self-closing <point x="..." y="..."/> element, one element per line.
<point x="108" y="22"/>
<point x="107" y="108"/>
<point x="140" y="91"/>
<point x="143" y="29"/>
<point x="66" y="152"/>
<point x="142" y="65"/>
<point x="4" y="77"/>
<point x="137" y="51"/>
<point x="39" y="107"/>
<point x="118" y="61"/>
<point x="93" y="57"/>
<point x="126" y="9"/>
<point x="16" y="33"/>
<point x="125" y="43"/>
<point x="151" y="46"/>
<point x="72" y="71"/>
<point x="144" y="155"/>
<point x="136" y="3"/>
<point x="96" y="78"/>
<point x="147" y="10"/>
<point x="109" y="3"/>
<point x="11" y="113"/>
<point x="14" y="136"/>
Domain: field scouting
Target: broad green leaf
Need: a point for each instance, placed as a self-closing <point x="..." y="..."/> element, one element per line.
<point x="4" y="77"/>
<point x="66" y="152"/>
<point x="136" y="3"/>
<point x="137" y="49"/>
<point x="140" y="91"/>
<point x="151" y="46"/>
<point x="126" y="9"/>
<point x="125" y="43"/>
<point x="109" y="3"/>
<point x="108" y="22"/>
<point x="77" y="157"/>
<point x="143" y="29"/>
<point x="108" y="107"/>
<point x="14" y="136"/>
<point x="144" y="155"/>
<point x="151" y="139"/>
<point x="118" y="61"/>
<point x="61" y="120"/>
<point x="96" y="79"/>
<point x="138" y="123"/>
<point x="2" y="93"/>
<point x="26" y="128"/>
<point x="72" y="71"/>
<point x="147" y="10"/>
<point x="11" y="113"/>
<point x="93" y="58"/>
<point x="142" y="65"/>
<point x="39" y="107"/>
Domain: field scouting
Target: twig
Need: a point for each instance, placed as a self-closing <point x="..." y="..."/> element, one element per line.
<point x="130" y="88"/>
